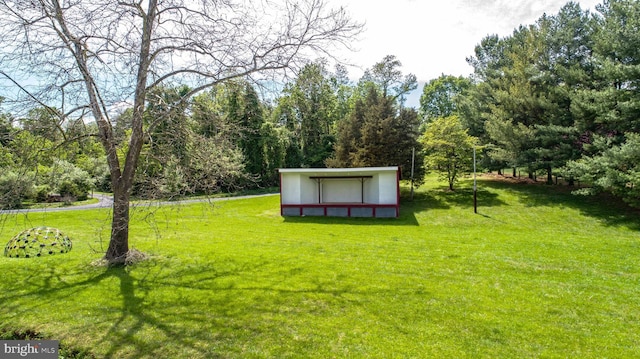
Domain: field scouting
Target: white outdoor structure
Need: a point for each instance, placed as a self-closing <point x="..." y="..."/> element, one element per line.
<point x="340" y="192"/>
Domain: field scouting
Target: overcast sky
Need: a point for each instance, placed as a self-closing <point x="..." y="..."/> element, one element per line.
<point x="432" y="37"/>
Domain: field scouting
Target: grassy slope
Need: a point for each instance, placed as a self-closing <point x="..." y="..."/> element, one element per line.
<point x="531" y="275"/>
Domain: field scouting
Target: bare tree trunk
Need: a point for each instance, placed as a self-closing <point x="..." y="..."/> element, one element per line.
<point x="88" y="50"/>
<point x="451" y="175"/>
<point x="119" y="243"/>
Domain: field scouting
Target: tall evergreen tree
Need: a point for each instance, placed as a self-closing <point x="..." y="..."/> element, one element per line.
<point x="376" y="134"/>
<point x="274" y="141"/>
<point x="377" y="121"/>
<point x="609" y="110"/>
<point x="566" y="67"/>
<point x="612" y="106"/>
<point x="531" y="79"/>
<point x="168" y="123"/>
<point x="387" y="75"/>
<point x="510" y="98"/>
<point x="207" y="113"/>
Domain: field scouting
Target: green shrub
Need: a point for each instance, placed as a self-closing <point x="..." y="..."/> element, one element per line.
<point x="70" y="181"/>
<point x="70" y="192"/>
<point x="98" y="169"/>
<point x="41" y="193"/>
<point x="14" y="188"/>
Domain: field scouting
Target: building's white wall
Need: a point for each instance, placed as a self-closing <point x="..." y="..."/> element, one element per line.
<point x="290" y="188"/>
<point x="299" y="188"/>
<point x="371" y="189"/>
<point x="309" y="190"/>
<point x="388" y="188"/>
<point x="342" y="191"/>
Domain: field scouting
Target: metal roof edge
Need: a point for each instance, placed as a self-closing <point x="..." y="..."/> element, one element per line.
<point x="338" y="170"/>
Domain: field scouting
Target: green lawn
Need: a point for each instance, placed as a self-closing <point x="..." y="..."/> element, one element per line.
<point x="533" y="274"/>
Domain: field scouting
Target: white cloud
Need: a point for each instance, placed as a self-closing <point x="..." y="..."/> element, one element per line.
<point x="435" y="37"/>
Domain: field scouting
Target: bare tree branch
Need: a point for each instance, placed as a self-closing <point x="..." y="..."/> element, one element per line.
<point x="76" y="56"/>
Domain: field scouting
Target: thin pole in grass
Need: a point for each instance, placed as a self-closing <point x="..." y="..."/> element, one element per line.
<point x="475" y="186"/>
<point x="413" y="161"/>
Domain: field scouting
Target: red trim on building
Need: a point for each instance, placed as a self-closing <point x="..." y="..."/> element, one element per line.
<point x="348" y="206"/>
<point x="376" y="208"/>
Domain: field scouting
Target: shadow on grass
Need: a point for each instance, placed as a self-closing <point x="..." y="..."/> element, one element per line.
<point x="194" y="311"/>
<point x="441" y="198"/>
<point x="606" y="208"/>
<point x="406" y="218"/>
<point x="126" y="321"/>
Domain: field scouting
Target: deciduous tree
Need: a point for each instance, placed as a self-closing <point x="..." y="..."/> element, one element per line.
<point x="440" y="96"/>
<point x="96" y="55"/>
<point x="310" y="111"/>
<point x="448" y="148"/>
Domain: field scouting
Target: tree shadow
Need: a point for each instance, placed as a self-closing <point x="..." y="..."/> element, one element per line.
<point x="608" y="209"/>
<point x="206" y="314"/>
<point x="422" y="201"/>
<point x="134" y="314"/>
<point x="444" y="198"/>
<point x="406" y="218"/>
<point x="230" y="314"/>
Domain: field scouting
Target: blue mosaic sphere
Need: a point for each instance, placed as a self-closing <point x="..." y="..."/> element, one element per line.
<point x="37" y="242"/>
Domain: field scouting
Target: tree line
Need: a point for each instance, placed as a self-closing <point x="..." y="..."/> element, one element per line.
<point x="558" y="98"/>
<point x="83" y="59"/>
<point x="224" y="139"/>
<point x="555" y="98"/>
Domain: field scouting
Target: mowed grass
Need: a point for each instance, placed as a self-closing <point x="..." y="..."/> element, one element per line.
<point x="536" y="273"/>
